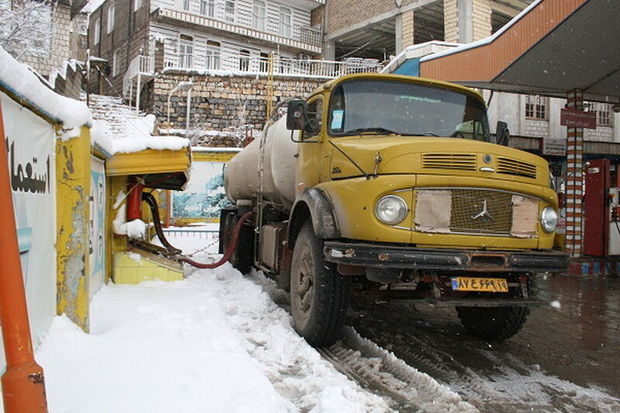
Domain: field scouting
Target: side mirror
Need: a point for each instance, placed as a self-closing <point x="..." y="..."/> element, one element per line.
<point x="502" y="133"/>
<point x="296" y="114"/>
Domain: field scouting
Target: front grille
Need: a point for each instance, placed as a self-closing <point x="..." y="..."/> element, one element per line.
<point x="474" y="211"/>
<point x="468" y="203"/>
<point x="459" y="161"/>
<point x="513" y="167"/>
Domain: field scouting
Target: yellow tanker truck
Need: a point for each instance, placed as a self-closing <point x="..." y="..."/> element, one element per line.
<point x="393" y="182"/>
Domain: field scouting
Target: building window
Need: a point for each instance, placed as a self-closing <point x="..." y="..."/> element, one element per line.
<point x="110" y="25"/>
<point x="186" y="5"/>
<point x="186" y="52"/>
<point x="116" y="62"/>
<point x="97" y="34"/>
<point x="603" y="113"/>
<point x="259" y="15"/>
<point x="229" y="10"/>
<point x="207" y="8"/>
<point x="264" y="62"/>
<point x="285" y="21"/>
<point x="137" y="4"/>
<point x="536" y="107"/>
<point x="244" y="60"/>
<point x="213" y="55"/>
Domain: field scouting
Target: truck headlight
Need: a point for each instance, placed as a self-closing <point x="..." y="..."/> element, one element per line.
<point x="548" y="219"/>
<point x="391" y="209"/>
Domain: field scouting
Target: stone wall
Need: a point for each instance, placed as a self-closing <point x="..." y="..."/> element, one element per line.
<point x="221" y="102"/>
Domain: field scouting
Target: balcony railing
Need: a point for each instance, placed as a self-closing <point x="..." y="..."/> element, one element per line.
<point x="282" y="66"/>
<point x="301" y="37"/>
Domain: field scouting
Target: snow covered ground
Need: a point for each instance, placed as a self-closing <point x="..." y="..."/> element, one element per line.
<point x="215" y="342"/>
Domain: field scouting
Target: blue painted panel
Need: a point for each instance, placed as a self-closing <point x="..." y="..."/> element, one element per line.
<point x="410" y="67"/>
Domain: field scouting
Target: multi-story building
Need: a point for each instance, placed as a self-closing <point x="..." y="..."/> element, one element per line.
<point x="202" y="35"/>
<point x="230" y="51"/>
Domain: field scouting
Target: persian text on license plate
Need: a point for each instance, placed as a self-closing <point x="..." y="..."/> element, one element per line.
<point x="495" y="285"/>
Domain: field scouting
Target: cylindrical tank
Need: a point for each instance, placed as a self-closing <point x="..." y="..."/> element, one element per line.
<point x="241" y="175"/>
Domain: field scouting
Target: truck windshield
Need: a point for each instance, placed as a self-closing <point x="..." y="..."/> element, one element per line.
<point x="408" y="109"/>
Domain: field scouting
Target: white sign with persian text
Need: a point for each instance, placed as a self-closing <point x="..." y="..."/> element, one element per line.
<point x="30" y="142"/>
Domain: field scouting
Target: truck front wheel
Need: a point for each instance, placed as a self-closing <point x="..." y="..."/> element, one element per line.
<point x="319" y="295"/>
<point x="493" y="324"/>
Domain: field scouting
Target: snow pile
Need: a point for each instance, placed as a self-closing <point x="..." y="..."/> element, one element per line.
<point x="135" y="229"/>
<point x="213" y="342"/>
<point x="92" y="6"/>
<point x="19" y="79"/>
<point x="119" y="129"/>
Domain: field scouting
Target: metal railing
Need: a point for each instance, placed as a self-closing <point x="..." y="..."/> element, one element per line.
<point x="305" y="37"/>
<point x="282" y="66"/>
<point x="207" y="234"/>
<point x="139" y="65"/>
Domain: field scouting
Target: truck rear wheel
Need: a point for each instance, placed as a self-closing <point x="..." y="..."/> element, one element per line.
<point x="319" y="295"/>
<point x="493" y="324"/>
<point x="243" y="257"/>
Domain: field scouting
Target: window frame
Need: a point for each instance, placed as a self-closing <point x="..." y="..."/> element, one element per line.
<point x="536" y="108"/>
<point x="110" y="16"/>
<point x="186" y="5"/>
<point x="97" y="33"/>
<point x="183" y="56"/>
<point x="207" y="8"/>
<point x="604" y="114"/>
<point x="244" y="59"/>
<point x="213" y="54"/>
<point x="115" y="61"/>
<point x="229" y="13"/>
<point x="319" y="101"/>
<point x="286" y="30"/>
<point x="258" y="21"/>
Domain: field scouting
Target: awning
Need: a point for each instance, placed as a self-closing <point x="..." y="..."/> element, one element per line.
<point x="552" y="47"/>
<point x="162" y="169"/>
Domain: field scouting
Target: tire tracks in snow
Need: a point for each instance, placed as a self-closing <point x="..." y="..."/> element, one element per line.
<point x="379" y="371"/>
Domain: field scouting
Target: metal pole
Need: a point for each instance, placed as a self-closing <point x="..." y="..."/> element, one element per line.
<point x="138" y="93"/>
<point x="23" y="387"/>
<point x="189" y="102"/>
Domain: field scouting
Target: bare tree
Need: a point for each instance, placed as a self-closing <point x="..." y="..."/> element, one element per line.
<point x="26" y="26"/>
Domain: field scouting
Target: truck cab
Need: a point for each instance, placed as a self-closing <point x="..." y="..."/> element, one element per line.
<point x="399" y="186"/>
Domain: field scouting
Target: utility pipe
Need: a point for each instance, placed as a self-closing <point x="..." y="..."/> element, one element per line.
<point x="180" y="86"/>
<point x="23" y="387"/>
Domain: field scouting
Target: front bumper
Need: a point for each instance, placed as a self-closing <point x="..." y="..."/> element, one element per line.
<point x="390" y="256"/>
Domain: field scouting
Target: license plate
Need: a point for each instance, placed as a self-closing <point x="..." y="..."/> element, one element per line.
<point x="493" y="285"/>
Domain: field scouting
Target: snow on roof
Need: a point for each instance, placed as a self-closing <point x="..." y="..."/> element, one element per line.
<point x="21" y="81"/>
<point x="92" y="6"/>
<point x="119" y="129"/>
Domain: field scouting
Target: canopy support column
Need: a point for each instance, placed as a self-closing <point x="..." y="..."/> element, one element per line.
<point x="574" y="179"/>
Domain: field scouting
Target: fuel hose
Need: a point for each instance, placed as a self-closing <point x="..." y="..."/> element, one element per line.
<point x="152" y="202"/>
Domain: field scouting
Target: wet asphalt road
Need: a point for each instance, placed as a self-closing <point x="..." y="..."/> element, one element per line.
<point x="566" y="358"/>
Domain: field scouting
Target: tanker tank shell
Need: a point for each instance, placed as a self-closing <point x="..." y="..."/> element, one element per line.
<point x="241" y="174"/>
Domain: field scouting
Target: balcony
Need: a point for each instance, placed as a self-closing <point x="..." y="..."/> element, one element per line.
<point x="282" y="66"/>
<point x="303" y="38"/>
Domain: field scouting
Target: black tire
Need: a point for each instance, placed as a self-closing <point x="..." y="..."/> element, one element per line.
<point x="493" y="324"/>
<point x="243" y="257"/>
<point x="319" y="295"/>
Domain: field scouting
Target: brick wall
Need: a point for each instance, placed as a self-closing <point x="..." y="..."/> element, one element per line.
<point x="601" y="133"/>
<point x="220" y="102"/>
<point x="481" y="19"/>
<point x="407" y="38"/>
<point x="450" y="18"/>
<point x="130" y="37"/>
<point x="535" y="128"/>
<point x="60" y="49"/>
<point x="344" y="13"/>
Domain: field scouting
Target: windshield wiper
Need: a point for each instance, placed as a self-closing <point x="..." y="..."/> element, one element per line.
<point x="422" y="134"/>
<point x="376" y="130"/>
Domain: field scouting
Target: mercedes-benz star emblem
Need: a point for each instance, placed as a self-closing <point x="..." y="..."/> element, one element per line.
<point x="484" y="214"/>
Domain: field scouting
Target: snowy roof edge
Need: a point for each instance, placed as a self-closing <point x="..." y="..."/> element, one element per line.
<point x="24" y="101"/>
<point x="486" y="40"/>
